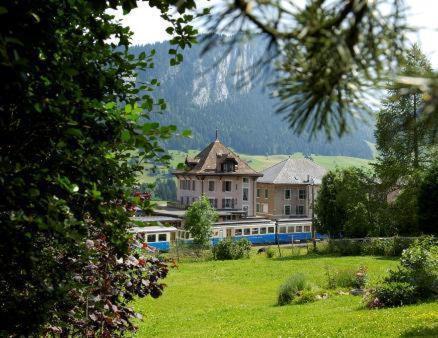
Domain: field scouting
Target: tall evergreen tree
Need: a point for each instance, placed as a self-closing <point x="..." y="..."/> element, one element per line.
<point x="403" y="144"/>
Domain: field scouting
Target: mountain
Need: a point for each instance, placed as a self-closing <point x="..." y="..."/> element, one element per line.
<point x="207" y="93"/>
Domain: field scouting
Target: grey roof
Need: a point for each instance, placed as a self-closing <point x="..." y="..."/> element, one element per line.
<point x="152" y="229"/>
<point x="293" y="171"/>
<point x="161" y="219"/>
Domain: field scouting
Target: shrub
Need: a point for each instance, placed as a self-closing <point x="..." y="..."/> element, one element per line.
<point x="291" y="287"/>
<point x="270" y="252"/>
<point x="346" y="278"/>
<point x="391" y="294"/>
<point x="415" y="279"/>
<point x="386" y="246"/>
<point x="305" y="296"/>
<point x="228" y="249"/>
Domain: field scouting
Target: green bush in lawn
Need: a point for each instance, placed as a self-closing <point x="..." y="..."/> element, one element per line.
<point x="270" y="252"/>
<point x="346" y="278"/>
<point x="386" y="246"/>
<point x="415" y="279"/>
<point x="305" y="296"/>
<point x="291" y="288"/>
<point x="391" y="294"/>
<point x="228" y="249"/>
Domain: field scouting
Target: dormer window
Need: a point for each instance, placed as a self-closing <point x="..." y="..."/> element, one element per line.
<point x="228" y="166"/>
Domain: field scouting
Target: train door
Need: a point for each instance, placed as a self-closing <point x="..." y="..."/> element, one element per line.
<point x="229" y="232"/>
<point x="172" y="236"/>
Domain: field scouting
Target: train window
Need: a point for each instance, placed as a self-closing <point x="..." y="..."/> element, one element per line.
<point x="271" y="230"/>
<point x="262" y="231"/>
<point x="246" y="231"/>
<point x="237" y="232"/>
<point x="291" y="229"/>
<point x="162" y="237"/>
<point x="215" y="233"/>
<point x="283" y="230"/>
<point x="152" y="238"/>
<point x="307" y="228"/>
<point x="299" y="228"/>
<point x="255" y="231"/>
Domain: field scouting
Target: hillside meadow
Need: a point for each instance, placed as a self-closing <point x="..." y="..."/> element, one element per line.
<point x="238" y="299"/>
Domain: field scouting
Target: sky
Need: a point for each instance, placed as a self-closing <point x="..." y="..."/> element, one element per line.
<point x="148" y="27"/>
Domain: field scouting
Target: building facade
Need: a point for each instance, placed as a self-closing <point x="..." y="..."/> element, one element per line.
<point x="288" y="189"/>
<point x="218" y="173"/>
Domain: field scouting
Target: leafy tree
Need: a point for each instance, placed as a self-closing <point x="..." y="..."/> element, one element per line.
<point x="403" y="143"/>
<point x="350" y="203"/>
<point x="199" y="219"/>
<point x="428" y="201"/>
<point x="71" y="115"/>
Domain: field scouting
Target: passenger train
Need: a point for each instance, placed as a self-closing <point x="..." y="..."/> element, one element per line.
<point x="257" y="231"/>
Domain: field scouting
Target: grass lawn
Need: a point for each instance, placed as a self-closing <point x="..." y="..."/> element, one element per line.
<point x="237" y="299"/>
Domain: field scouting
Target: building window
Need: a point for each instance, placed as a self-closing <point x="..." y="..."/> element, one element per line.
<point x="246" y="232"/>
<point x="287" y="194"/>
<point x="265" y="207"/>
<point x="228" y="166"/>
<point x="237" y="232"/>
<point x="162" y="237"/>
<point x="245" y="208"/>
<point x="258" y="192"/>
<point x="213" y="202"/>
<point x="271" y="230"/>
<point x="287" y="209"/>
<point x="193" y="185"/>
<point x="302" y="194"/>
<point x="266" y="193"/>
<point x="262" y="231"/>
<point x="258" y="207"/>
<point x="300" y="210"/>
<point x="228" y="203"/>
<point x="226" y="186"/>
<point x="152" y="238"/>
<point x="187" y="200"/>
<point x="245" y="194"/>
<point x="210" y="185"/>
<point x="245" y="180"/>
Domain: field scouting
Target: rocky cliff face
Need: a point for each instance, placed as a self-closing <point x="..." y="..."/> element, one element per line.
<point x="217" y="91"/>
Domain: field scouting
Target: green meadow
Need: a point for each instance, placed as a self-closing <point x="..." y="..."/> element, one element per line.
<point x="238" y="299"/>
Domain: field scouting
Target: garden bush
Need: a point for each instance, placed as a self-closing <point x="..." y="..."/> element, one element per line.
<point x="386" y="246"/>
<point x="291" y="288"/>
<point x="346" y="278"/>
<point x="228" y="249"/>
<point x="415" y="279"/>
<point x="305" y="296"/>
<point x="391" y="294"/>
<point x="270" y="252"/>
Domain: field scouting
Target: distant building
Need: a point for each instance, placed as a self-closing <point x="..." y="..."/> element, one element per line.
<point x="285" y="190"/>
<point x="222" y="176"/>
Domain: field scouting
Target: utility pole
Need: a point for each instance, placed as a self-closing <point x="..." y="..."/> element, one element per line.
<point x="276" y="237"/>
<point x="313" y="215"/>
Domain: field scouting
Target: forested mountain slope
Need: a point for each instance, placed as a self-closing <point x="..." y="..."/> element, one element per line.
<point x="202" y="98"/>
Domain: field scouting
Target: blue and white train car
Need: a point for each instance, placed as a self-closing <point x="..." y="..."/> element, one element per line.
<point x="259" y="231"/>
<point x="158" y="237"/>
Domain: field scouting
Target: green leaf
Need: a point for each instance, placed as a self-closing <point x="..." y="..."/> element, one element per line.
<point x="186" y="133"/>
<point x="172" y="51"/>
<point x="169" y="30"/>
<point x="126" y="135"/>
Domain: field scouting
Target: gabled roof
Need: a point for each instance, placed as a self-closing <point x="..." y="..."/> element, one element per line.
<point x="293" y="171"/>
<point x="208" y="162"/>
